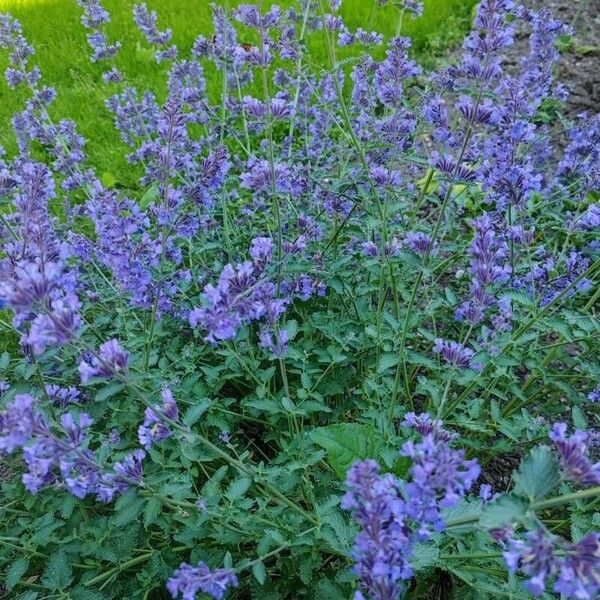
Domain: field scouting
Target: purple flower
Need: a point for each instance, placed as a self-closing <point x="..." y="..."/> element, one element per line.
<point x="535" y="557"/>
<point x="261" y="249"/>
<point x="35" y="281"/>
<point x="485" y="492"/>
<point x="18" y="421"/>
<point x="225" y="437"/>
<point x="418" y="242"/>
<point x="63" y="396"/>
<point x="488" y="268"/>
<point x="4" y="386"/>
<point x="127" y="472"/>
<point x="590" y="219"/>
<point x="572" y="452"/>
<point x="79" y="472"/>
<point x="393" y="73"/>
<point x="575" y="569"/>
<point x="275" y="342"/>
<point x="440" y="478"/>
<point x="76" y="430"/>
<point x="146" y="21"/>
<point x="113" y="75"/>
<point x="259" y="178"/>
<point x="94" y="13"/>
<point x="156" y="420"/>
<point x="594" y="395"/>
<point x="395" y="515"/>
<point x="111" y="360"/>
<point x="425" y="425"/>
<point x="40" y="458"/>
<point x="241" y="296"/>
<point x="454" y="354"/>
<point x="187" y="581"/>
<point x="383" y="547"/>
<point x="580" y="569"/>
<point x="101" y="48"/>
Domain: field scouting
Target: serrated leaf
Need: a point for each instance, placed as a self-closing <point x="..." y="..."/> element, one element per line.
<point x="108" y="391"/>
<point x="424" y="555"/>
<point x="507" y="509"/>
<point x="16" y="570"/>
<point x="85" y="593"/>
<point x="151" y="511"/>
<point x="238" y="487"/>
<point x="291" y="327"/>
<point x="193" y="413"/>
<point x="129" y="513"/>
<point x="67" y="506"/>
<point x="58" y="573"/>
<point x="538" y="474"/>
<point x="579" y="418"/>
<point x="387" y="361"/>
<point x="346" y="443"/>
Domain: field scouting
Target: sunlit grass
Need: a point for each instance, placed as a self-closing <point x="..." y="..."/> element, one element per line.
<point x="54" y="27"/>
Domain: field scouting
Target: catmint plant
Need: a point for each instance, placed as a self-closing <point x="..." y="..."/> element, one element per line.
<point x="322" y="268"/>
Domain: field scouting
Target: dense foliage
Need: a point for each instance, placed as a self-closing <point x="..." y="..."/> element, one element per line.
<point x="303" y="356"/>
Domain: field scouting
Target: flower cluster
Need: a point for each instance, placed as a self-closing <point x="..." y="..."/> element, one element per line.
<point x="187" y="581"/>
<point x="156" y="421"/>
<point x="63" y="458"/>
<point x="572" y="451"/>
<point x="394" y="515"/>
<point x="110" y="361"/>
<point x="575" y="567"/>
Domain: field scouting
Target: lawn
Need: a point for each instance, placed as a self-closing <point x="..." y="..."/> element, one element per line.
<point x="54" y="28"/>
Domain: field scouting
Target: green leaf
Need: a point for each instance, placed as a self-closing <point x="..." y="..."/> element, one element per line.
<point x="387" y="361"/>
<point x="193" y="413"/>
<point x="66" y="507"/>
<point x="292" y="329"/>
<point x="129" y="512"/>
<point x="504" y="511"/>
<point x="150" y="195"/>
<point x="579" y="418"/>
<point x="346" y="443"/>
<point x="16" y="570"/>
<point x="58" y="574"/>
<point x="4" y="361"/>
<point x="108" y="391"/>
<point x="28" y="596"/>
<point x="259" y="572"/>
<point x="151" y="511"/>
<point x="108" y="179"/>
<point x="424" y="555"/>
<point x="85" y="593"/>
<point x="538" y="474"/>
<point x="238" y="487"/>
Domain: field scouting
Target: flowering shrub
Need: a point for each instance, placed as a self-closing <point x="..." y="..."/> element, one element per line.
<point x="322" y="268"/>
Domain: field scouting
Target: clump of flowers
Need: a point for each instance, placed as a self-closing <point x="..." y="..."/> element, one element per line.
<point x="283" y="265"/>
<point x="395" y="515"/>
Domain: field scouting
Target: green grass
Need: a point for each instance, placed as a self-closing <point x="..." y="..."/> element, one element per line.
<point x="53" y="26"/>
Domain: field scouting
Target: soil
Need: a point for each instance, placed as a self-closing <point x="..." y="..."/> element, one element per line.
<point x="579" y="67"/>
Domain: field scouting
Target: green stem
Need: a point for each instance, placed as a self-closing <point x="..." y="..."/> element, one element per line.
<point x="535" y="506"/>
<point x="126" y="565"/>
